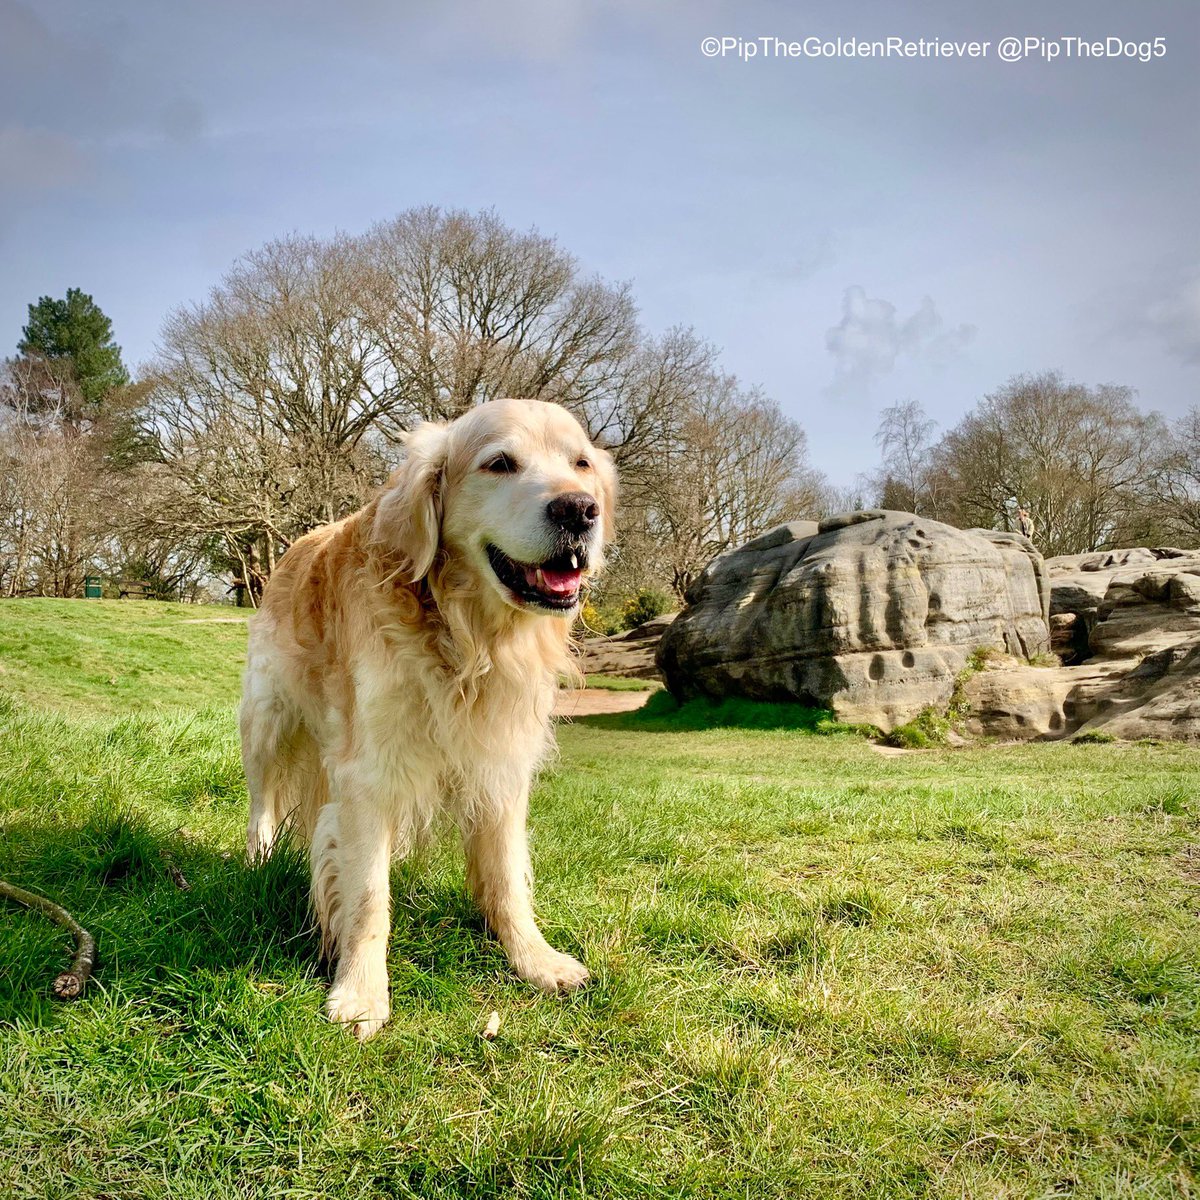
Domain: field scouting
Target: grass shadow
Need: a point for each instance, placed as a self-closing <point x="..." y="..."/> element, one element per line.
<point x="164" y="906"/>
<point x="158" y="903"/>
<point x="663" y="713"/>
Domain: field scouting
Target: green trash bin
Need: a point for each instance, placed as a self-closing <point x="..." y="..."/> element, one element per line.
<point x="93" y="587"/>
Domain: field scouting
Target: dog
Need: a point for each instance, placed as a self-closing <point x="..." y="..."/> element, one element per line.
<point x="401" y="672"/>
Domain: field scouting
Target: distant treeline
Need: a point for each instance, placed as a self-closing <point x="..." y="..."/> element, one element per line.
<point x="280" y="402"/>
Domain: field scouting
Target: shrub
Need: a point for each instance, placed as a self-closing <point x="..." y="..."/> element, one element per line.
<point x="643" y="606"/>
<point x="599" y="620"/>
<point x="981" y="656"/>
<point x="928" y="728"/>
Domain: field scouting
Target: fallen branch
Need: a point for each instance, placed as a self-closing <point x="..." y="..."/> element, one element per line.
<point x="70" y="984"/>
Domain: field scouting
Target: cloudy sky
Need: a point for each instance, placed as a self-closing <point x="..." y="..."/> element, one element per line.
<point x="850" y="231"/>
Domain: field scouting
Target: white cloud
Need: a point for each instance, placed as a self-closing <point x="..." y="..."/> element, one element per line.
<point x="869" y="338"/>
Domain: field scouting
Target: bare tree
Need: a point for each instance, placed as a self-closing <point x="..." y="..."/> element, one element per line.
<point x="907" y="480"/>
<point x="52" y="478"/>
<point x="1077" y="458"/>
<point x="1172" y="510"/>
<point x="734" y="467"/>
<point x="467" y="310"/>
<point x="831" y="500"/>
<point x="263" y="410"/>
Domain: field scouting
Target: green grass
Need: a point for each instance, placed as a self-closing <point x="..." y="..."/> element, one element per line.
<point x="121" y="656"/>
<point x="820" y="972"/>
<point x="622" y="683"/>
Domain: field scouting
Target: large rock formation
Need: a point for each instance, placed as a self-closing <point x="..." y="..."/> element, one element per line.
<point x="1080" y="586"/>
<point x="872" y="614"/>
<point x="630" y="653"/>
<point x="1127" y="623"/>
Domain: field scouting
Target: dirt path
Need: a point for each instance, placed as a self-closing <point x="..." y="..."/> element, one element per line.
<point x="588" y="702"/>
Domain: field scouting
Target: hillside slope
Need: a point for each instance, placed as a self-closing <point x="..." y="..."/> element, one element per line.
<point x="120" y="656"/>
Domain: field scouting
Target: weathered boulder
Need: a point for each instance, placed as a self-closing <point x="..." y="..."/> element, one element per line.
<point x="1133" y="619"/>
<point x="872" y="614"/>
<point x="630" y="653"/>
<point x="1079" y="586"/>
<point x="1016" y="701"/>
<point x="1164" y="702"/>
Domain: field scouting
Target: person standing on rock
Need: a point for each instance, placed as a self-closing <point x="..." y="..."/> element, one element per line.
<point x="1025" y="523"/>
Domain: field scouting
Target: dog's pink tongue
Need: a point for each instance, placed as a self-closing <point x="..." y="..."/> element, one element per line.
<point x="562" y="583"/>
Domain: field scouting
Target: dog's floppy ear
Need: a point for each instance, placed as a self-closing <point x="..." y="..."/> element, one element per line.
<point x="409" y="517"/>
<point x="606" y="478"/>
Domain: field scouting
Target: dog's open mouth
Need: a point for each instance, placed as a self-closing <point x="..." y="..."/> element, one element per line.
<point x="551" y="584"/>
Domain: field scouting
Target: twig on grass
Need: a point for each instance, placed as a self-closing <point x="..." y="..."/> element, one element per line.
<point x="177" y="876"/>
<point x="70" y="984"/>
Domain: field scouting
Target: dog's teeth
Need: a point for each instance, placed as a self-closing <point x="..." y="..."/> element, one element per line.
<point x="574" y="562"/>
<point x="540" y="578"/>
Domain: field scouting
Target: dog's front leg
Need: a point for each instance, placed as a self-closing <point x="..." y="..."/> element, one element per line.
<point x="498" y="874"/>
<point x="352" y="850"/>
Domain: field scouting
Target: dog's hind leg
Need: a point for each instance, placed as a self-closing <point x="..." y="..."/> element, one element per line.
<point x="286" y="792"/>
<point x="262" y="725"/>
<point x="283" y="775"/>
<point x="262" y="771"/>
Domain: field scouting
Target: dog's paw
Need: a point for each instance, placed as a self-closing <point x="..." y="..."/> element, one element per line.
<point x="554" y="972"/>
<point x="363" y="1013"/>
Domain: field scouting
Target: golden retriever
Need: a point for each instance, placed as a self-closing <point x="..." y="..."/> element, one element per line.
<point x="403" y="668"/>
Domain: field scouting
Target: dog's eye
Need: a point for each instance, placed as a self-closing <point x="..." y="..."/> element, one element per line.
<point x="501" y="464"/>
<point x="582" y="464"/>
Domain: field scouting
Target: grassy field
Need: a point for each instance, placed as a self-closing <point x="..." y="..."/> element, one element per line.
<point x="120" y="656"/>
<point x="621" y="683"/>
<point x="821" y="971"/>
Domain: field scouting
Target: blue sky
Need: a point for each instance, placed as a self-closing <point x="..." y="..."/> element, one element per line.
<point x="850" y="232"/>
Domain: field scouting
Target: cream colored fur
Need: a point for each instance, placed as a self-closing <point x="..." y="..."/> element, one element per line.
<point x="393" y="682"/>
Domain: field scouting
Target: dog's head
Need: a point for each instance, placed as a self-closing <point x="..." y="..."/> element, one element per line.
<point x="512" y="492"/>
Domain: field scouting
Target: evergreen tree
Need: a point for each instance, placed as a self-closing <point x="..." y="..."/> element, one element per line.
<point x="75" y="331"/>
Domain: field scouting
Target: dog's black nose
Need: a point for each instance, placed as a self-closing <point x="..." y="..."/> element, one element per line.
<point x="576" y="512"/>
